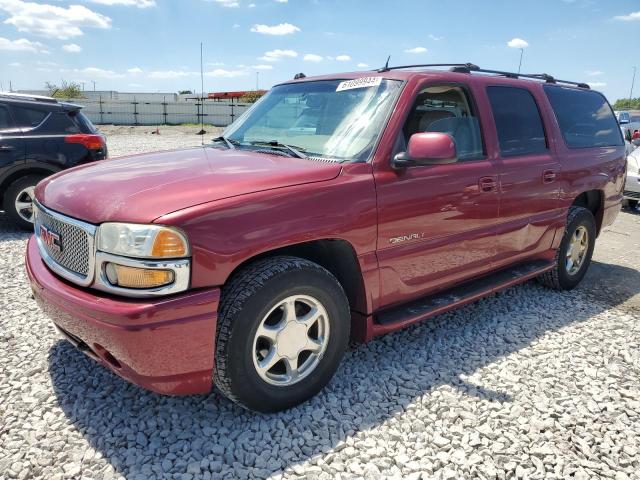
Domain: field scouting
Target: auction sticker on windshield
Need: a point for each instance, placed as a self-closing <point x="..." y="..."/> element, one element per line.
<point x="362" y="82"/>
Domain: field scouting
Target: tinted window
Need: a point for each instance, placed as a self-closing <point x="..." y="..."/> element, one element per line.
<point x="82" y="121"/>
<point x="585" y="117"/>
<point x="29" y="117"/>
<point x="518" y="122"/>
<point x="60" y="122"/>
<point x="6" y="122"/>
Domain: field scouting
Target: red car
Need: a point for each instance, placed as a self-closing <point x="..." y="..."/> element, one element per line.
<point x="337" y="207"/>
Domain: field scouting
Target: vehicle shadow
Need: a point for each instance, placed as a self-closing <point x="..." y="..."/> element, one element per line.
<point x="376" y="382"/>
<point x="9" y="232"/>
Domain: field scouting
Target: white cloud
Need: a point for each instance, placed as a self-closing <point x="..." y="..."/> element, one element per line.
<point x="362" y="65"/>
<point x="277" y="54"/>
<point x="15" y="64"/>
<point x="628" y="18"/>
<point x="312" y="57"/>
<point x="52" y="21"/>
<point x="227" y="3"/>
<point x="281" y="1"/>
<point x="134" y="71"/>
<point x="416" y="50"/>
<point x="252" y="5"/>
<point x="21" y="45"/>
<point x="222" y="73"/>
<point x="127" y="3"/>
<point x="435" y="38"/>
<point x="517" y="43"/>
<point x="597" y="84"/>
<point x="281" y="29"/>
<point x="343" y="58"/>
<point x="262" y="67"/>
<point x="95" y="72"/>
<point x="135" y="85"/>
<point x="595" y="73"/>
<point x="235" y="25"/>
<point x="72" y="48"/>
<point x="164" y="74"/>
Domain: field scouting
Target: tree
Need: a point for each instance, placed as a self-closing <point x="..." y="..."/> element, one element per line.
<point x="252" y="97"/>
<point x="65" y="90"/>
<point x="625" y="104"/>
<point x="185" y="92"/>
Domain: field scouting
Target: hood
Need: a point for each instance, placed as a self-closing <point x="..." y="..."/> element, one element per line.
<point x="143" y="187"/>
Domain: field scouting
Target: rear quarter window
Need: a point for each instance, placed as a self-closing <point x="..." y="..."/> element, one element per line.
<point x="6" y="122"/>
<point x="585" y="118"/>
<point x="29" y="117"/>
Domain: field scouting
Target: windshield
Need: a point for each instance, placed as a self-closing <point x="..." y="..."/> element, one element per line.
<point x="335" y="119"/>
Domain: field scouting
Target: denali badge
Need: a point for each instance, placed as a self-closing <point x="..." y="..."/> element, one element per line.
<point x="406" y="238"/>
<point x="50" y="239"/>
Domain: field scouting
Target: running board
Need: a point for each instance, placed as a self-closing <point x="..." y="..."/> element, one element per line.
<point x="425" y="307"/>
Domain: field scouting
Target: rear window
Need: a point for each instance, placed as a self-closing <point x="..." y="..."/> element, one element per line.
<point x="585" y="117"/>
<point x="29" y="117"/>
<point x="6" y="123"/>
<point x="60" y="123"/>
<point x="518" y="122"/>
<point x="82" y="121"/>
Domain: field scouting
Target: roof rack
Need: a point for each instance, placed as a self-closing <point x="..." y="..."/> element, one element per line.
<point x="470" y="67"/>
<point x="26" y="96"/>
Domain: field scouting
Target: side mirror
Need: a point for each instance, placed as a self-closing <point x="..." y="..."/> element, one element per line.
<point x="431" y="148"/>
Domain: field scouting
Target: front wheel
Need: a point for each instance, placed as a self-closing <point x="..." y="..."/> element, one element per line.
<point x="283" y="328"/>
<point x="574" y="254"/>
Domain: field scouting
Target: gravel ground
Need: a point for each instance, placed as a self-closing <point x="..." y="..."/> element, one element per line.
<point x="529" y="383"/>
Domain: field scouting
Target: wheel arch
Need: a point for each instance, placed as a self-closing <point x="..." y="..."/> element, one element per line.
<point x="23" y="171"/>
<point x="592" y="200"/>
<point x="336" y="255"/>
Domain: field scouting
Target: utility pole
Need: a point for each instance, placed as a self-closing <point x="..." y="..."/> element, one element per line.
<point x="521" y="55"/>
<point x="633" y="81"/>
<point x="82" y="83"/>
<point x="94" y="85"/>
<point x="257" y="81"/>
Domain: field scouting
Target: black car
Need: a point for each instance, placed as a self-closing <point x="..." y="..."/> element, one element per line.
<point x="40" y="136"/>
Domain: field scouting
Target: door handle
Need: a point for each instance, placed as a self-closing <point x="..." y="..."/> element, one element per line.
<point x="548" y="176"/>
<point x="6" y="148"/>
<point x="488" y="184"/>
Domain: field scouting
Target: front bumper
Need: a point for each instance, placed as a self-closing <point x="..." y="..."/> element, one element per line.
<point x="162" y="344"/>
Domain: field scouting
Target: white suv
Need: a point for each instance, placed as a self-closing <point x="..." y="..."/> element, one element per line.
<point x="632" y="187"/>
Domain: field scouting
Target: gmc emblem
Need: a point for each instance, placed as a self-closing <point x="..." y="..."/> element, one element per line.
<point x="50" y="239"/>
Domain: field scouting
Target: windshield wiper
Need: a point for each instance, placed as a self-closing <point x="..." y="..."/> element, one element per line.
<point x="231" y="144"/>
<point x="297" y="151"/>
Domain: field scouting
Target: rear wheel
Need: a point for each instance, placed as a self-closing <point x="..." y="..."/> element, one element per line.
<point x="283" y="328"/>
<point x="574" y="254"/>
<point x="632" y="204"/>
<point x="18" y="201"/>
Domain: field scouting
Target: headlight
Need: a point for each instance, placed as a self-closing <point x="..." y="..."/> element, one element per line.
<point x="142" y="241"/>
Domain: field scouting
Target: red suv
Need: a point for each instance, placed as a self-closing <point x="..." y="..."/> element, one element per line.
<point x="341" y="206"/>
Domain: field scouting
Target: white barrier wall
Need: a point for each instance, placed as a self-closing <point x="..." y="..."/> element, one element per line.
<point x="136" y="112"/>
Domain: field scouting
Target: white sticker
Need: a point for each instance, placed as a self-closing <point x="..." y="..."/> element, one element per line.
<point x="362" y="82"/>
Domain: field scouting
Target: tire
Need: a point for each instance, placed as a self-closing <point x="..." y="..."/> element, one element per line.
<point x="18" y="190"/>
<point x="258" y="296"/>
<point x="561" y="277"/>
<point x="632" y="204"/>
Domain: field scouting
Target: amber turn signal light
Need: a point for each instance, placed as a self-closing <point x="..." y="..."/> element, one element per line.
<point x="168" y="244"/>
<point x="131" y="277"/>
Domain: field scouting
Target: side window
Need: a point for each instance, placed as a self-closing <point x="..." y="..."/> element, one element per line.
<point x="585" y="118"/>
<point x="6" y="122"/>
<point x="59" y="123"/>
<point x="518" y="121"/>
<point x="446" y="109"/>
<point x="29" y="117"/>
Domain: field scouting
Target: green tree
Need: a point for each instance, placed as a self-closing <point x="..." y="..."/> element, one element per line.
<point x="65" y="90"/>
<point x="626" y="104"/>
<point x="185" y="92"/>
<point x="252" y="97"/>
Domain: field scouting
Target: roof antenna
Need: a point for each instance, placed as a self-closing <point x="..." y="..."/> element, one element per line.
<point x="386" y="65"/>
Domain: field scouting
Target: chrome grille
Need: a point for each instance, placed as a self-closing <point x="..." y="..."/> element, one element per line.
<point x="74" y="260"/>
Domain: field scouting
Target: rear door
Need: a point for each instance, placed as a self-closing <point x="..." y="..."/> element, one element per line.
<point x="12" y="150"/>
<point x="528" y="173"/>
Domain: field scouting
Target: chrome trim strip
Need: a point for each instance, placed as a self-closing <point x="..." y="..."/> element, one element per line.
<point x="88" y="228"/>
<point x="180" y="267"/>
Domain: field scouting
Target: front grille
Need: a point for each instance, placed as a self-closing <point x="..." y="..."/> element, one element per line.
<point x="630" y="194"/>
<point x="71" y="254"/>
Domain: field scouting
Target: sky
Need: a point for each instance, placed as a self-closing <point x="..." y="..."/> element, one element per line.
<point x="154" y="45"/>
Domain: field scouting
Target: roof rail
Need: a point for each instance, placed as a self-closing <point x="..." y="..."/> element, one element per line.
<point x="26" y="96"/>
<point x="472" y="68"/>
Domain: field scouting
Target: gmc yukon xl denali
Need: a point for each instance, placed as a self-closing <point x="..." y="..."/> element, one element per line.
<point x="337" y="207"/>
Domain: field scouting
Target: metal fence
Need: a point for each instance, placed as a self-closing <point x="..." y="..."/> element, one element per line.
<point x="135" y="112"/>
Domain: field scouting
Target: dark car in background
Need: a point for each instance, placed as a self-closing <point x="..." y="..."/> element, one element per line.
<point x="40" y="136"/>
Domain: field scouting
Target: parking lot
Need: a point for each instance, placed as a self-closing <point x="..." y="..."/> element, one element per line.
<point x="528" y="383"/>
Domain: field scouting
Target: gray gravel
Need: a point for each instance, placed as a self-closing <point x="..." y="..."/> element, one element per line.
<point x="528" y="383"/>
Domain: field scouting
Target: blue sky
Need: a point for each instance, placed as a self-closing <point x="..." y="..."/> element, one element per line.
<point x="153" y="45"/>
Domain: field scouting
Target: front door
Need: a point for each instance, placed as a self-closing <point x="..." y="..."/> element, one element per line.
<point x="436" y="224"/>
